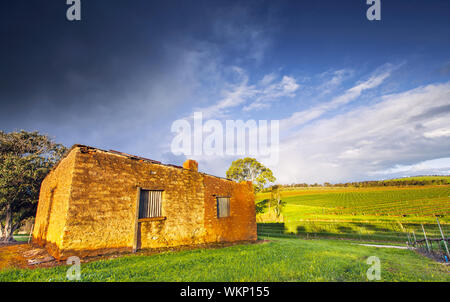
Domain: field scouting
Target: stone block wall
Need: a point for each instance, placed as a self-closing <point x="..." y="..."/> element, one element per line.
<point x="54" y="199"/>
<point x="241" y="224"/>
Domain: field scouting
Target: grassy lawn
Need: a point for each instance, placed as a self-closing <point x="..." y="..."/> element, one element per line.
<point x="21" y="238"/>
<point x="277" y="260"/>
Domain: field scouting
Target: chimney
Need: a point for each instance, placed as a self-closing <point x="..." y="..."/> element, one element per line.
<point x="191" y="164"/>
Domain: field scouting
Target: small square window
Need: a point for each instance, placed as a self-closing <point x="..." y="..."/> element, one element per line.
<point x="150" y="204"/>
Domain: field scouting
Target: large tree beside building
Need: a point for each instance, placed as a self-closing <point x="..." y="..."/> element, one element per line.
<point x="25" y="159"/>
<point x="249" y="169"/>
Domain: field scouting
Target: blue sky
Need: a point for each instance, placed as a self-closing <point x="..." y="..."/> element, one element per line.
<point x="356" y="99"/>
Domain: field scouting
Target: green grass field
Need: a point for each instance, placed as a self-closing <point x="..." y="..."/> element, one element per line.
<point x="277" y="260"/>
<point x="21" y="238"/>
<point x="380" y="213"/>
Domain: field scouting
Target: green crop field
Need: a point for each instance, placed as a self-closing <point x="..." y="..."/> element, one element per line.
<point x="277" y="260"/>
<point x="380" y="213"/>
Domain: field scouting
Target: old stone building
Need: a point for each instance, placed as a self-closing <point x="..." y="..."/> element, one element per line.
<point x="97" y="201"/>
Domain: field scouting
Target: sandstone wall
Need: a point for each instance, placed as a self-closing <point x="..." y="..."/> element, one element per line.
<point x="53" y="205"/>
<point x="103" y="205"/>
<point x="241" y="224"/>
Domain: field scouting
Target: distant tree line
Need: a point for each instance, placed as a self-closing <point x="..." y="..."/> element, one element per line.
<point x="377" y="183"/>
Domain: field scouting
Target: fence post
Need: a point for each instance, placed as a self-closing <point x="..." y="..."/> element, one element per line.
<point x="443" y="238"/>
<point x="409" y="239"/>
<point x="415" y="240"/>
<point x="426" y="240"/>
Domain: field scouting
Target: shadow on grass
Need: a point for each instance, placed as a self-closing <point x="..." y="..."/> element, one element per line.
<point x="347" y="230"/>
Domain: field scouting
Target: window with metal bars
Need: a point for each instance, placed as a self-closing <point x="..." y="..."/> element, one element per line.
<point x="223" y="207"/>
<point x="150" y="204"/>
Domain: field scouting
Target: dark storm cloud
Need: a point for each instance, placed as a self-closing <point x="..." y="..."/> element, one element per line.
<point x="54" y="69"/>
<point x="48" y="57"/>
<point x="114" y="73"/>
<point x="111" y="78"/>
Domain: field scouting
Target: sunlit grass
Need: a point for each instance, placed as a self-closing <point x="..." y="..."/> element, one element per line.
<point x="379" y="213"/>
<point x="278" y="260"/>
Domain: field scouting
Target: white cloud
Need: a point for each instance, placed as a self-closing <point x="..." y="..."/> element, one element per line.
<point x="267" y="79"/>
<point x="305" y="116"/>
<point x="260" y="95"/>
<point x="434" y="166"/>
<point x="271" y="93"/>
<point x="358" y="144"/>
<point x="236" y="95"/>
<point x="390" y="136"/>
<point x="336" y="79"/>
<point x="437" y="133"/>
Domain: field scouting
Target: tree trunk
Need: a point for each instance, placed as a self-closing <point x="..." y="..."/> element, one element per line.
<point x="9" y="228"/>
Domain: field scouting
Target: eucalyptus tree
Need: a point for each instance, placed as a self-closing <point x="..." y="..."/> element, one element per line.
<point x="249" y="169"/>
<point x="25" y="159"/>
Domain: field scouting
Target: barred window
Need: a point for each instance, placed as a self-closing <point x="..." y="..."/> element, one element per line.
<point x="150" y="204"/>
<point x="223" y="207"/>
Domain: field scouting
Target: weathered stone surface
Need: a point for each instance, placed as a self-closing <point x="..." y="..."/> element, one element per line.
<point x="88" y="206"/>
<point x="54" y="198"/>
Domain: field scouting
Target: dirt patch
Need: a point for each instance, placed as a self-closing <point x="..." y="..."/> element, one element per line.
<point x="9" y="243"/>
<point x="30" y="256"/>
<point x="21" y="255"/>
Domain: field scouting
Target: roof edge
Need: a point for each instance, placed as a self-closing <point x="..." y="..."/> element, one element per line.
<point x="129" y="156"/>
